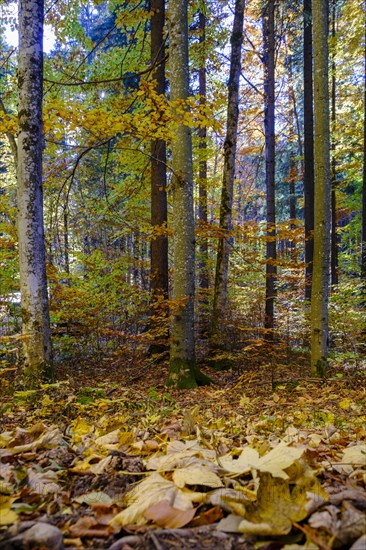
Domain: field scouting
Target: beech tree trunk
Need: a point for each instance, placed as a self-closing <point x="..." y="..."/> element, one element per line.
<point x="322" y="215"/>
<point x="269" y="128"/>
<point x="203" y="273"/>
<point x="308" y="147"/>
<point x="293" y="161"/>
<point x="334" y="237"/>
<point x="182" y="369"/>
<point x="159" y="280"/>
<point x="223" y="250"/>
<point x="363" y="230"/>
<point x="33" y="282"/>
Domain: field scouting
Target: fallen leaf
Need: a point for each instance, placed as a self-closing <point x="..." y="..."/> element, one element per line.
<point x="278" y="459"/>
<point x="88" y="527"/>
<point x="94" y="497"/>
<point x="150" y="445"/>
<point x="230" y="524"/>
<point x="150" y="491"/>
<point x="48" y="440"/>
<point x="247" y="460"/>
<point x="7" y="516"/>
<point x="196" y="476"/>
<point x="208" y="517"/>
<point x="167" y="516"/>
<point x="43" y="483"/>
<point x="177" y="451"/>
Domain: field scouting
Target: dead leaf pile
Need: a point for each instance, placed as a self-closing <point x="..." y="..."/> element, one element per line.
<point x="131" y="473"/>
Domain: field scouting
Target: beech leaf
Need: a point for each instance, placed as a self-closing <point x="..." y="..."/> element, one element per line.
<point x="167" y="516"/>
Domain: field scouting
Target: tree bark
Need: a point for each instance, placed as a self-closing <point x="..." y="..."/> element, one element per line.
<point x="322" y="217"/>
<point x="159" y="279"/>
<point x="182" y="369"/>
<point x="363" y="230"/>
<point x="223" y="250"/>
<point x="334" y="237"/>
<point x="203" y="272"/>
<point x="293" y="161"/>
<point x="308" y="147"/>
<point x="269" y="128"/>
<point x="33" y="282"/>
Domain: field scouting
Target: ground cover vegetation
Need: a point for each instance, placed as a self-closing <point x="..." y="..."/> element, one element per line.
<point x="183" y="274"/>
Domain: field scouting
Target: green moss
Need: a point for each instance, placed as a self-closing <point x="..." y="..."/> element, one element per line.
<point x="321" y="368"/>
<point x="35" y="376"/>
<point x="182" y="374"/>
<point x="185" y="375"/>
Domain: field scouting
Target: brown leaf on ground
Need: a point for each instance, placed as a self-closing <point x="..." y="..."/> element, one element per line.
<point x="167" y="516"/>
<point x="89" y="527"/>
<point x="208" y="517"/>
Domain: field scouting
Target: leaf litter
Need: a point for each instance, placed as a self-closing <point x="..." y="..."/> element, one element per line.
<point x="283" y="469"/>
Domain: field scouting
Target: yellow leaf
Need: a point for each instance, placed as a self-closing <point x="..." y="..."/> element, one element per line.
<point x="274" y="462"/>
<point x="7" y="516"/>
<point x="80" y="427"/>
<point x="150" y="491"/>
<point x="196" y="475"/>
<point x="247" y="460"/>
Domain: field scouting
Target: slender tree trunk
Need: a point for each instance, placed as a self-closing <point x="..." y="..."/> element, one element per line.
<point x="363" y="230"/>
<point x="322" y="217"/>
<point x="33" y="282"/>
<point x="203" y="277"/>
<point x="159" y="281"/>
<point x="269" y="128"/>
<point x="66" y="240"/>
<point x="334" y="238"/>
<point x="182" y="370"/>
<point x="293" y="161"/>
<point x="223" y="251"/>
<point x="308" y="147"/>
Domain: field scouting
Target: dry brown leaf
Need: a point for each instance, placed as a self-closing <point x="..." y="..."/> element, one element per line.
<point x="208" y="517"/>
<point x="89" y="527"/>
<point x="104" y="513"/>
<point x="147" y="493"/>
<point x="167" y="516"/>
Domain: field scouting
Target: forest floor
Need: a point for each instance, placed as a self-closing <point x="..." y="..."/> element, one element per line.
<point x="264" y="457"/>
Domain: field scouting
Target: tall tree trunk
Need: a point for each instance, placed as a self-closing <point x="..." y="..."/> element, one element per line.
<point x="363" y="230"/>
<point x="293" y="161"/>
<point x="66" y="239"/>
<point x="33" y="282"/>
<point x="308" y="147"/>
<point x="334" y="238"/>
<point x="182" y="369"/>
<point x="203" y="277"/>
<point x="159" y="280"/>
<point x="269" y="128"/>
<point x="223" y="251"/>
<point x="322" y="217"/>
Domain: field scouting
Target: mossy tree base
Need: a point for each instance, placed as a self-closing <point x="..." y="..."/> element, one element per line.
<point x="185" y="375"/>
<point x="34" y="376"/>
<point x="320" y="368"/>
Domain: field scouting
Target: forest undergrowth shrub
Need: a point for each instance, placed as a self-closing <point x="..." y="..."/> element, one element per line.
<point x="347" y="320"/>
<point x="97" y="313"/>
